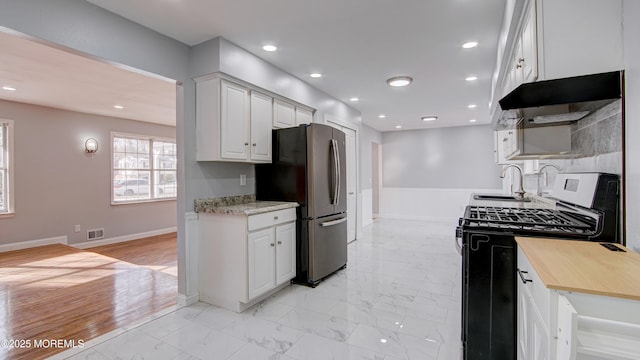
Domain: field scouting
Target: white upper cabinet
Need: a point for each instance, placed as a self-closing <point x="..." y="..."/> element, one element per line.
<point x="284" y="114"/>
<point x="234" y="119"/>
<point x="261" y="123"/>
<point x="561" y="38"/>
<point x="579" y="37"/>
<point x="303" y="116"/>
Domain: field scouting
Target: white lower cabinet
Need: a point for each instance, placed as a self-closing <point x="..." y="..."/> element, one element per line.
<point x="243" y="259"/>
<point x="566" y="325"/>
<point x="271" y="258"/>
<point x="533" y="322"/>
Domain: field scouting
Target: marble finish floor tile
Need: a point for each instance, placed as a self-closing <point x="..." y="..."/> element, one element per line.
<point x="398" y="298"/>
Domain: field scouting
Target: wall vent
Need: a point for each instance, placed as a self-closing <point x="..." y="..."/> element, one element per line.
<point x="95" y="234"/>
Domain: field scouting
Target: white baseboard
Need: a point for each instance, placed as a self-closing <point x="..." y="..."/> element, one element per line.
<point x="33" y="243"/>
<point x="184" y="300"/>
<point x="418" y="218"/>
<point x="119" y="239"/>
<point x="431" y="204"/>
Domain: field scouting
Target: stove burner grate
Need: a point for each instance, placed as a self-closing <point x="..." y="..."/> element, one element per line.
<point x="525" y="219"/>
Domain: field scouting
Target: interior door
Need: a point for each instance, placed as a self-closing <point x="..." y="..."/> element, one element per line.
<point x="350" y="145"/>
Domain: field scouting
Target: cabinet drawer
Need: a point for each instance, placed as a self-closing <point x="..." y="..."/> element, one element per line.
<point x="271" y="218"/>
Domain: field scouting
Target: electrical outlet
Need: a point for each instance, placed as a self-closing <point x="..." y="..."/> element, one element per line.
<point x="77" y="228"/>
<point x="243" y="180"/>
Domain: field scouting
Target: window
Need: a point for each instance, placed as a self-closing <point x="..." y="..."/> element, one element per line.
<point x="6" y="163"/>
<point x="143" y="168"/>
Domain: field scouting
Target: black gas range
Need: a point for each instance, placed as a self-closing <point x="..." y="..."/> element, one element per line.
<point x="586" y="208"/>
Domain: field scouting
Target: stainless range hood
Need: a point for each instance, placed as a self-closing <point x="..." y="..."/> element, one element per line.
<point x="559" y="101"/>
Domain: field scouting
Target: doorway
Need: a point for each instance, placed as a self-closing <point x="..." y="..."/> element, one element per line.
<point x="376" y="177"/>
<point x="352" y="176"/>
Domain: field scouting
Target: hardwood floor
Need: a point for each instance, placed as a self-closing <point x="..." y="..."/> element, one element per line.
<point x="58" y="292"/>
<point x="158" y="253"/>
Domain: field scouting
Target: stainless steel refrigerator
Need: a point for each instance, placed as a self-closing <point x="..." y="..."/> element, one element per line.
<point x="308" y="167"/>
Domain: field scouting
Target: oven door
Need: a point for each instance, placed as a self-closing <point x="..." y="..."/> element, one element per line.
<point x="488" y="296"/>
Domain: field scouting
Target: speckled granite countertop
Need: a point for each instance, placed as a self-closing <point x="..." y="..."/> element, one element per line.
<point x="239" y="205"/>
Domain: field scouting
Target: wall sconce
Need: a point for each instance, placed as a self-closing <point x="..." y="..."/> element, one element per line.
<point x="91" y="145"/>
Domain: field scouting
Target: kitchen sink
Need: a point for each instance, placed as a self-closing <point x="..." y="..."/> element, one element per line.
<point x="499" y="197"/>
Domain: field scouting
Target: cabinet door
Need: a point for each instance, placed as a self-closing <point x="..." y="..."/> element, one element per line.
<point x="539" y="335"/>
<point x="529" y="45"/>
<point x="524" y="305"/>
<point x="284" y="115"/>
<point x="303" y="116"/>
<point x="285" y="252"/>
<point x="261" y="262"/>
<point x="261" y="123"/>
<point x="234" y="122"/>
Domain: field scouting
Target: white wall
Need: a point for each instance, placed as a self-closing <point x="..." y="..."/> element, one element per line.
<point x="58" y="185"/>
<point x="631" y="27"/>
<point x="427" y="203"/>
<point x="368" y="136"/>
<point x="430" y="174"/>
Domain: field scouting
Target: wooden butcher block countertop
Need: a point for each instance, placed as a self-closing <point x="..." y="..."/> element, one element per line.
<point x="584" y="266"/>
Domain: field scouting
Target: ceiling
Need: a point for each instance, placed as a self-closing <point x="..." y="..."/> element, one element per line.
<point x="75" y="82"/>
<point x="355" y="44"/>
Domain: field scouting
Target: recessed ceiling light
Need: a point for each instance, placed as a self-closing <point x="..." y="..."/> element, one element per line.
<point x="472" y="120"/>
<point x="9" y="88"/>
<point x="470" y="44"/>
<point x="270" y="48"/>
<point x="471" y="78"/>
<point x="382" y="116"/>
<point x="354" y="99"/>
<point x="398" y="126"/>
<point x="315" y="75"/>
<point x="118" y="107"/>
<point x="399" y="81"/>
<point x="472" y="106"/>
<point x="429" y="118"/>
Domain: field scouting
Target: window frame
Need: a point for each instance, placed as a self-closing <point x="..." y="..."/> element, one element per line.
<point x="152" y="169"/>
<point x="8" y="151"/>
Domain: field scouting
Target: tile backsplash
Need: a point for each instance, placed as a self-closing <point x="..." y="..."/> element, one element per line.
<point x="596" y="146"/>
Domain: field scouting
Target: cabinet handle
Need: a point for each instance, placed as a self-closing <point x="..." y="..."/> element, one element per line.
<point x="518" y="66"/>
<point x="520" y="60"/>
<point x="524" y="281"/>
<point x="279" y="242"/>
<point x="272" y="244"/>
<point x="246" y="144"/>
<point x="254" y="144"/>
<point x="275" y="218"/>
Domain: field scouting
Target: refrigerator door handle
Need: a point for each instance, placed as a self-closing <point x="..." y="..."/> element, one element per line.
<point x="336" y="171"/>
<point x="339" y="172"/>
<point x="333" y="222"/>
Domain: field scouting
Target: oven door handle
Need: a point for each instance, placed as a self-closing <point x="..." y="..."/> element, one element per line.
<point x="458" y="246"/>
<point x="458" y="241"/>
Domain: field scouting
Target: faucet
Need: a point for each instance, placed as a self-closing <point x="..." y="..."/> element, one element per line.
<point x="546" y="182"/>
<point x="520" y="191"/>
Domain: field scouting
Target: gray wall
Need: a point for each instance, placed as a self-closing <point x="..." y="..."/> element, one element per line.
<point x="84" y="27"/>
<point x="368" y="135"/>
<point x="58" y="185"/>
<point x="631" y="19"/>
<point x="448" y="158"/>
<point x="214" y="179"/>
<point x="87" y="28"/>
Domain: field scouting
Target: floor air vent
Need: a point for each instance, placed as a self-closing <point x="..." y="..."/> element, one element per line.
<point x="95" y="234"/>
